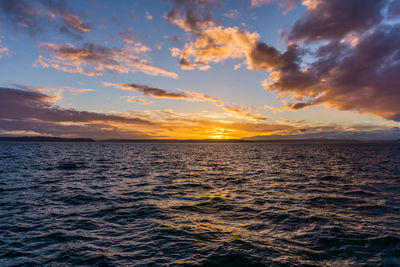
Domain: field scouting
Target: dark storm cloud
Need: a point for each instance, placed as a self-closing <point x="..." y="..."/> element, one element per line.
<point x="16" y="104"/>
<point x="35" y="16"/>
<point x="333" y="19"/>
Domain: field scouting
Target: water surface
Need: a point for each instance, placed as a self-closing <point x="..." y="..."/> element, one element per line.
<point x="100" y="204"/>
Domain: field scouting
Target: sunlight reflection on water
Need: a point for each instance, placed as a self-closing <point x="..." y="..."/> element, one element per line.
<point x="199" y="204"/>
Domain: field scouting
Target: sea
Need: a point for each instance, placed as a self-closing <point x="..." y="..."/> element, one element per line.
<point x="200" y="204"/>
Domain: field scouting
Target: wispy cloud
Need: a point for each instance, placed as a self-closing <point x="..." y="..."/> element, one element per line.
<point x="273" y="109"/>
<point x="94" y="60"/>
<point x="161" y="93"/>
<point x="36" y="16"/>
<point x="138" y="100"/>
<point x="54" y="92"/>
<point x="232" y="14"/>
<point x="148" y="15"/>
<point x="20" y="104"/>
<point x="3" y="50"/>
<point x="187" y="95"/>
<point x="243" y="112"/>
<point x="286" y="5"/>
<point x="26" y="110"/>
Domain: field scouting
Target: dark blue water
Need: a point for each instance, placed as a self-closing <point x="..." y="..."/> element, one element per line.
<point x="93" y="204"/>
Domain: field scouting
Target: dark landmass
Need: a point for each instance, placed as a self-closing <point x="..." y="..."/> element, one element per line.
<point x="61" y="139"/>
<point x="43" y="139"/>
<point x="176" y="141"/>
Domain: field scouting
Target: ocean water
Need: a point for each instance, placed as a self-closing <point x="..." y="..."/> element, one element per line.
<point x="118" y="204"/>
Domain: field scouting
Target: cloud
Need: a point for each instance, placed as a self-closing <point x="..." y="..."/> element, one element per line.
<point x="185" y="95"/>
<point x="334" y="19"/>
<point x="192" y="15"/>
<point x="35" y="16"/>
<point x="212" y="43"/>
<point x="3" y="50"/>
<point x="148" y="15"/>
<point x="55" y="92"/>
<point x="394" y="9"/>
<point x="30" y="112"/>
<point x="215" y="44"/>
<point x="286" y="5"/>
<point x="361" y="78"/>
<point x="211" y="125"/>
<point x="17" y="104"/>
<point x="232" y="14"/>
<point x="138" y="100"/>
<point x="128" y="37"/>
<point x="92" y="130"/>
<point x="161" y="93"/>
<point x="273" y="109"/>
<point x="243" y="113"/>
<point x="260" y="127"/>
<point x="336" y="133"/>
<point x="355" y="69"/>
<point x="94" y="60"/>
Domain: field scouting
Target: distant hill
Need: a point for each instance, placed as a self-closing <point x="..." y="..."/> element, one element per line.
<point x="175" y="141"/>
<point x="43" y="139"/>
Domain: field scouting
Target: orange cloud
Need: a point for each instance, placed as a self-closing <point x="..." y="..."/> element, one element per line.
<point x="216" y="44"/>
<point x="243" y="113"/>
<point x="138" y="100"/>
<point x="75" y="22"/>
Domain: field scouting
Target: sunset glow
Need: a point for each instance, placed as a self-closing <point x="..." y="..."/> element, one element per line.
<point x="195" y="69"/>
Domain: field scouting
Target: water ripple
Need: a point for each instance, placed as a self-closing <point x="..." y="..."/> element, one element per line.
<point x="97" y="204"/>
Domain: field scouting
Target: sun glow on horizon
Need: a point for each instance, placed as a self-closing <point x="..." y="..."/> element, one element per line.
<point x="221" y="133"/>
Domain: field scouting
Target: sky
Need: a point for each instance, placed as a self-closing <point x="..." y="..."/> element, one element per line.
<point x="200" y="69"/>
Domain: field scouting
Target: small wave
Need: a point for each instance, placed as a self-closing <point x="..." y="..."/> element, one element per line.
<point x="199" y="205"/>
<point x="70" y="166"/>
